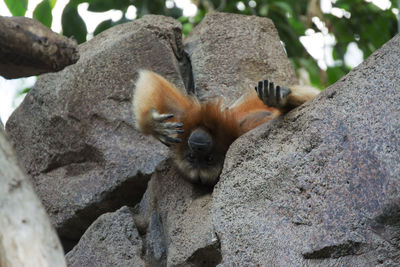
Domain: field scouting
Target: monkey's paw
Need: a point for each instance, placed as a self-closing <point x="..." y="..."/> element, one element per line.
<point x="272" y="96"/>
<point x="166" y="131"/>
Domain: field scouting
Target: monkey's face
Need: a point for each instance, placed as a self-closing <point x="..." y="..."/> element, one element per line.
<point x="201" y="159"/>
<point x="208" y="133"/>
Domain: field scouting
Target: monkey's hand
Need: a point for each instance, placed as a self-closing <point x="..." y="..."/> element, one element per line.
<point x="272" y="96"/>
<point x="165" y="131"/>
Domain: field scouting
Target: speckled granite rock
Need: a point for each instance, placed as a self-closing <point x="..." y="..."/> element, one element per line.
<point x="319" y="186"/>
<point x="230" y="53"/>
<point x="112" y="240"/>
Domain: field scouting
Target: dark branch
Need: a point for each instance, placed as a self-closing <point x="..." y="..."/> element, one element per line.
<point x="28" y="48"/>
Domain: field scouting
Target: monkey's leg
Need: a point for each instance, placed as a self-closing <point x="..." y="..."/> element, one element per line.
<point x="271" y="95"/>
<point x="164" y="131"/>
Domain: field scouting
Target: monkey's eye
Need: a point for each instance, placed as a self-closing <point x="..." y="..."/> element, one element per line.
<point x="191" y="158"/>
<point x="210" y="159"/>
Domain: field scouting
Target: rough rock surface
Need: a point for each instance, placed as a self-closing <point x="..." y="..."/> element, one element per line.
<point x="319" y="186"/>
<point x="74" y="132"/>
<point x="176" y="216"/>
<point x="230" y="53"/>
<point x="112" y="240"/>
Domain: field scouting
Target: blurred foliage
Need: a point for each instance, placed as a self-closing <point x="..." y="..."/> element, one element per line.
<point x="17" y="7"/>
<point x="367" y="26"/>
<point x="43" y="10"/>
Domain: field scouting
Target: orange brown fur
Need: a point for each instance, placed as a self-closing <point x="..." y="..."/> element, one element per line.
<point x="156" y="100"/>
<point x="222" y="124"/>
<point x="252" y="112"/>
<point x="154" y="92"/>
<point x="157" y="93"/>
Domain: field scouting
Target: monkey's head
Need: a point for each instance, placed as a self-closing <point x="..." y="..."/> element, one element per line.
<point x="208" y="133"/>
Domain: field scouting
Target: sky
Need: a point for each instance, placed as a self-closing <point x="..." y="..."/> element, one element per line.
<point x="318" y="44"/>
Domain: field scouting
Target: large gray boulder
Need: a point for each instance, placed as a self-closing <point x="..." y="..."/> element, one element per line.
<point x="230" y="53"/>
<point x="319" y="186"/>
<point x="112" y="240"/>
<point x="175" y="214"/>
<point x="75" y="134"/>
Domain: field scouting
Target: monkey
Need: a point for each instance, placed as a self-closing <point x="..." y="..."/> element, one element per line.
<point x="200" y="133"/>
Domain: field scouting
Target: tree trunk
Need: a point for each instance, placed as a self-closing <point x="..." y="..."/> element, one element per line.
<point x="26" y="235"/>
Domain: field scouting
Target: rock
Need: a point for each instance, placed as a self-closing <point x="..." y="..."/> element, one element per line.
<point x="74" y="131"/>
<point x="319" y="186"/>
<point x="178" y="222"/>
<point x="230" y="53"/>
<point x="173" y="219"/>
<point x="112" y="240"/>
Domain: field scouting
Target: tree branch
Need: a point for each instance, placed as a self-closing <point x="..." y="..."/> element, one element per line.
<point x="29" y="48"/>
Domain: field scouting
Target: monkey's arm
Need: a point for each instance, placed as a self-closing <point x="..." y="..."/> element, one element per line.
<point x="284" y="98"/>
<point x="301" y="94"/>
<point x="250" y="112"/>
<point x="268" y="102"/>
<point x="157" y="106"/>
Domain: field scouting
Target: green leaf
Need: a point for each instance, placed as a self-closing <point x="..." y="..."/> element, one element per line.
<point x="17" y="7"/>
<point x="42" y="13"/>
<point x="264" y="10"/>
<point x="297" y="26"/>
<point x="108" y="24"/>
<point x="187" y="28"/>
<point x="103" y="26"/>
<point x="102" y="6"/>
<point x="173" y="12"/>
<point x="73" y="24"/>
<point x="183" y="19"/>
<point x="313" y="70"/>
<point x="24" y="91"/>
<point x="283" y="7"/>
<point x="199" y="16"/>
<point x="75" y="3"/>
<point x="52" y="3"/>
<point x="334" y="74"/>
